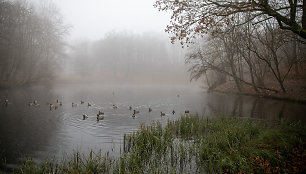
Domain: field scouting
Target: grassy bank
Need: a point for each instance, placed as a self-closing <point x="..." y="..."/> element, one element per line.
<point x="194" y="145"/>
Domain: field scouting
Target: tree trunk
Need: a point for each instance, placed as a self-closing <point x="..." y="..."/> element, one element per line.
<point x="295" y="60"/>
<point x="207" y="81"/>
<point x="304" y="15"/>
<point x="252" y="79"/>
<point x="236" y="79"/>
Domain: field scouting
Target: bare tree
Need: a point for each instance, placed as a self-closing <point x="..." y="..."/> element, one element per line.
<point x="191" y="18"/>
<point x="221" y="54"/>
<point x="273" y="41"/>
<point x="31" y="42"/>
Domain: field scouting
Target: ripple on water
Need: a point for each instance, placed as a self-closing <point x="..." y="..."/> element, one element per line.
<point x="63" y="130"/>
<point x="116" y="122"/>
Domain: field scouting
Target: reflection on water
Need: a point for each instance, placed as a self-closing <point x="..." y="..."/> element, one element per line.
<point x="254" y="107"/>
<point x="40" y="132"/>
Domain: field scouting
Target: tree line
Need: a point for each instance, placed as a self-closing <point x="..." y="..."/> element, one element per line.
<point x="244" y="41"/>
<point x="31" y="42"/>
<point x="125" y="57"/>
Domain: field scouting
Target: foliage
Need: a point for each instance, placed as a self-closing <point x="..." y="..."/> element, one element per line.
<point x="246" y="40"/>
<point x="191" y="17"/>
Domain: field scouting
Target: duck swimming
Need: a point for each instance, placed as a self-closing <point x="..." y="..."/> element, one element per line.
<point x="30" y="103"/>
<point x="100" y="117"/>
<point x="136" y="112"/>
<point x="6" y="102"/>
<point x="162" y="114"/>
<point x="85" y="116"/>
<point x="50" y="106"/>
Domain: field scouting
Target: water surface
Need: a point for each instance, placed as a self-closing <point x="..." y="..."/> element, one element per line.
<point x="41" y="133"/>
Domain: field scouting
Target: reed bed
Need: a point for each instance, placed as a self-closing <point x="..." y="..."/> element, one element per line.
<point x="191" y="144"/>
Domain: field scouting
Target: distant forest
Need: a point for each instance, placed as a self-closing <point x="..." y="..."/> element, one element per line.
<point x="31" y="42"/>
<point x="251" y="47"/>
<point x="33" y="49"/>
<point x="123" y="57"/>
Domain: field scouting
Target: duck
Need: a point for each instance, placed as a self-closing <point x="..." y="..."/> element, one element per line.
<point x="85" y="116"/>
<point x="130" y="108"/>
<point x="30" y="103"/>
<point x="82" y="102"/>
<point x="100" y="117"/>
<point x="173" y="112"/>
<point x="50" y="106"/>
<point x="150" y="109"/>
<point x="162" y="114"/>
<point x="136" y="112"/>
<point x="57" y="101"/>
<point x="114" y="106"/>
<point x="61" y="104"/>
<point x="101" y="113"/>
<point x="36" y="103"/>
<point x="55" y="107"/>
<point x="133" y="115"/>
<point x="74" y="104"/>
<point x="186" y="111"/>
<point x="6" y="102"/>
<point x="88" y="104"/>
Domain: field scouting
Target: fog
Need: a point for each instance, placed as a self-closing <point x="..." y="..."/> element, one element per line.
<point x="124" y="42"/>
<point x="122" y="57"/>
<point x="95" y="18"/>
<point x="119" y="42"/>
<point x="108" y="42"/>
<point x="79" y="76"/>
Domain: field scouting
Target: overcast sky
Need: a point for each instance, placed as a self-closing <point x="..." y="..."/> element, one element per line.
<point x="93" y="18"/>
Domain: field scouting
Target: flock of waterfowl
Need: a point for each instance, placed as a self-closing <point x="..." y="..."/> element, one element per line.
<point x="100" y="114"/>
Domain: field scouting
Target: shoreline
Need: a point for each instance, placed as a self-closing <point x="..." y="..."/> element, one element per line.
<point x="229" y="88"/>
<point x="262" y="95"/>
<point x="190" y="145"/>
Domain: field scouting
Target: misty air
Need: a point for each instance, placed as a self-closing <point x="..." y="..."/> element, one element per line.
<point x="152" y="86"/>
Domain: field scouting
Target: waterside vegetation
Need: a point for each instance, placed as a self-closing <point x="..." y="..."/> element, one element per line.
<point x="194" y="144"/>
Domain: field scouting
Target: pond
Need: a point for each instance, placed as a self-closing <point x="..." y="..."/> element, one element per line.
<point x="38" y="132"/>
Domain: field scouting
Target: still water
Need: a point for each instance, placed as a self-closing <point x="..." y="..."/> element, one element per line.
<point x="42" y="133"/>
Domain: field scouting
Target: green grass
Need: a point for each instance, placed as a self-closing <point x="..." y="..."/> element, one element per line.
<point x="190" y="144"/>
